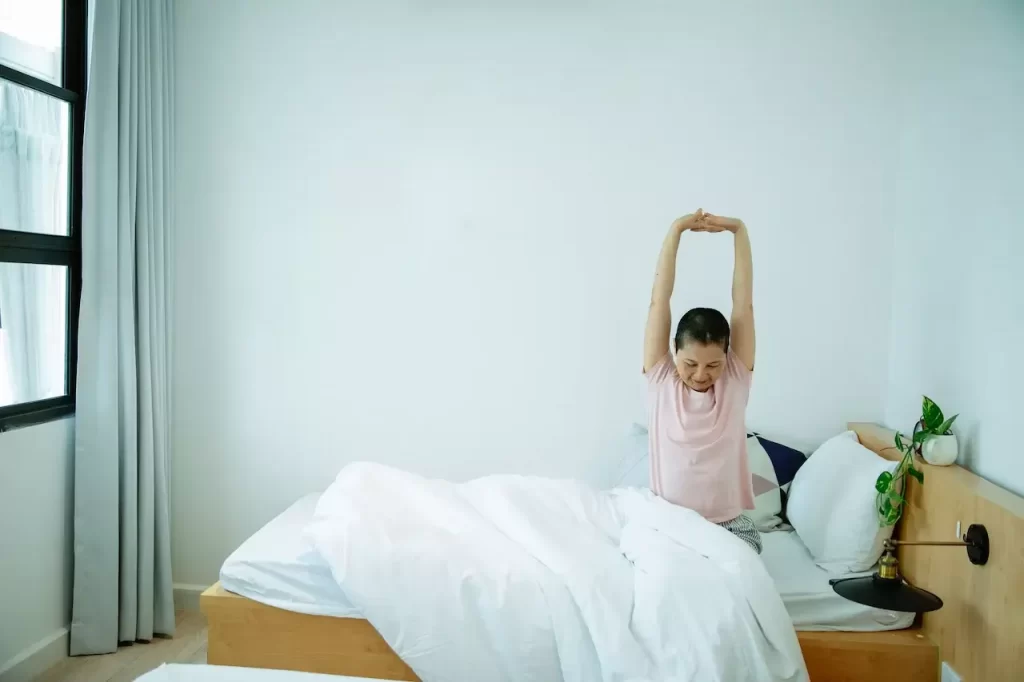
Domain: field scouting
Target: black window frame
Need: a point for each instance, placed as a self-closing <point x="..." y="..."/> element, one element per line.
<point x="48" y="249"/>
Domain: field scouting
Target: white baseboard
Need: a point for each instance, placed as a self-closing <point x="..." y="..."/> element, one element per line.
<point x="36" y="659"/>
<point x="186" y="597"/>
<point x="53" y="648"/>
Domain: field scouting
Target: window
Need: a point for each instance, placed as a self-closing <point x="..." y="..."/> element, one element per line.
<point x="42" y="116"/>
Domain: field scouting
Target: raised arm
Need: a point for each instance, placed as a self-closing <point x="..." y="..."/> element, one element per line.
<point x="659" y="317"/>
<point x="742" y="323"/>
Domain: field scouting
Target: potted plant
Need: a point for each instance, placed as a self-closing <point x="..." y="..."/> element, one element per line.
<point x="934" y="440"/>
<point x="937" y="445"/>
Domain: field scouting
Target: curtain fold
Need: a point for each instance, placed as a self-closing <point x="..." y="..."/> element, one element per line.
<point x="122" y="577"/>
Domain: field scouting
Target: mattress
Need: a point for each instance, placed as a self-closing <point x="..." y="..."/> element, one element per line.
<point x="277" y="567"/>
<point x="808" y="596"/>
<point x="219" y="673"/>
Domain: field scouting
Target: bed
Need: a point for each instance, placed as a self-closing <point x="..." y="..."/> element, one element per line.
<point x="277" y="607"/>
<point x="276" y="567"/>
<point x="276" y="579"/>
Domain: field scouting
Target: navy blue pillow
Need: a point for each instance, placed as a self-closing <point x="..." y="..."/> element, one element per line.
<point x="785" y="461"/>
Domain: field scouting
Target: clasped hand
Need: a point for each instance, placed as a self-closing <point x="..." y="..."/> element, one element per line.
<point x="707" y="222"/>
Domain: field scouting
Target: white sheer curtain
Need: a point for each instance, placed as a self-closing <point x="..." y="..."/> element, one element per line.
<point x="122" y="575"/>
<point x="33" y="198"/>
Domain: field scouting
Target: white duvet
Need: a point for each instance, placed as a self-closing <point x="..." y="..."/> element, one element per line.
<point x="520" y="578"/>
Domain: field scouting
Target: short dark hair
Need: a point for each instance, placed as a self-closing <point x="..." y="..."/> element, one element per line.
<point x="705" y="326"/>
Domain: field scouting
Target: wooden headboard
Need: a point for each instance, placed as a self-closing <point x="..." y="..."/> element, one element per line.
<point x="980" y="629"/>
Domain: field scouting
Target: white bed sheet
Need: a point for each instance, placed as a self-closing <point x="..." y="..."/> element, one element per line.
<point x="276" y="566"/>
<point x="220" y="673"/>
<point x="808" y="596"/>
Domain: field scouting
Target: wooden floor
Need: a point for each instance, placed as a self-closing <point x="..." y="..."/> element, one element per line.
<point x="188" y="646"/>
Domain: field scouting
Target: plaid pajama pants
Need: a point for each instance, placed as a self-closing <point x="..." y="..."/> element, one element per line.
<point x="743" y="528"/>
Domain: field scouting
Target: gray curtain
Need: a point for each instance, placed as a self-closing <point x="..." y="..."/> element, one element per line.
<point x="122" y="576"/>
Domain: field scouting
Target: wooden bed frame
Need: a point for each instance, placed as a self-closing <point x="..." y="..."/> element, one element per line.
<point x="978" y="630"/>
<point x="243" y="632"/>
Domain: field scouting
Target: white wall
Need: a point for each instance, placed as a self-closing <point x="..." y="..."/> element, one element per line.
<point x="35" y="536"/>
<point x="958" y="311"/>
<point x="427" y="236"/>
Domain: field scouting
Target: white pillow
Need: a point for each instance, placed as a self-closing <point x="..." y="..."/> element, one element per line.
<point x="832" y="505"/>
<point x="634" y="467"/>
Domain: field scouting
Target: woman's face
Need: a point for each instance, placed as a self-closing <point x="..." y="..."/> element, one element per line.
<point x="700" y="365"/>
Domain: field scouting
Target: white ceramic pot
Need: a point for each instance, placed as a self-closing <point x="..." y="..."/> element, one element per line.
<point x="939" y="450"/>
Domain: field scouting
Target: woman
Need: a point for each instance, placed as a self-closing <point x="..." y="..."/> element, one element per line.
<point x="698" y="392"/>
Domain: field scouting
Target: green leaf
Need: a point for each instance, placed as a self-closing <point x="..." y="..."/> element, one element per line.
<point x="886" y="506"/>
<point x="944" y="427"/>
<point x="895" y="499"/>
<point x="916" y="473"/>
<point x="893" y="516"/>
<point x="902" y="444"/>
<point x="883" y="481"/>
<point x="921" y="436"/>
<point x="931" y="414"/>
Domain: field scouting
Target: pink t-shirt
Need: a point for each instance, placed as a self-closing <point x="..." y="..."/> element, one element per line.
<point x="699" y="440"/>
